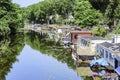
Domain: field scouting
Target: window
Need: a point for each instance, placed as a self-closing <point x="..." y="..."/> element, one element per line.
<point x="106" y="52"/>
<point x="110" y="57"/>
<point x="75" y="36"/>
<point x="102" y="52"/>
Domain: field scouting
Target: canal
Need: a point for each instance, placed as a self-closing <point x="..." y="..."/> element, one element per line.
<point x="31" y="56"/>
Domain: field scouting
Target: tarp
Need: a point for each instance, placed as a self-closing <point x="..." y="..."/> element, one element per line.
<point x="100" y="61"/>
<point x="118" y="70"/>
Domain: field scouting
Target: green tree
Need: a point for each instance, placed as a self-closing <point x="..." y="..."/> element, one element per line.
<point x="10" y="17"/>
<point x="99" y="31"/>
<point x="40" y="12"/>
<point x="85" y="15"/>
<point x="117" y="30"/>
<point x="117" y="14"/>
<point x="111" y="11"/>
<point x="100" y="4"/>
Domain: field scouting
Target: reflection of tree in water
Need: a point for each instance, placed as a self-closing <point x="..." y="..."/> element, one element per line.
<point x="49" y="47"/>
<point x="9" y="49"/>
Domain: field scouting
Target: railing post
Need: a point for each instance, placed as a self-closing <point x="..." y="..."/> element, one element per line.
<point x="76" y="50"/>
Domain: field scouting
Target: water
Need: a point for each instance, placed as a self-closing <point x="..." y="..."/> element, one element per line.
<point x="33" y="65"/>
<point x="33" y="57"/>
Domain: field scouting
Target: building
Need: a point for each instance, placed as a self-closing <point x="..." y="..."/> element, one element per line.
<point x="89" y="43"/>
<point x="115" y="38"/>
<point x="74" y="35"/>
<point x="105" y="50"/>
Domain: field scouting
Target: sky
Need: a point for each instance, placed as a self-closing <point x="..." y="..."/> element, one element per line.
<point x="25" y="3"/>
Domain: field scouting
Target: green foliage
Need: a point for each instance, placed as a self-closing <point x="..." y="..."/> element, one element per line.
<point x="99" y="31"/>
<point x="59" y="20"/>
<point x="100" y="4"/>
<point x="109" y="8"/>
<point x="85" y="15"/>
<point x="117" y="11"/>
<point x="10" y="17"/>
<point x="40" y="12"/>
<point x="9" y="50"/>
<point x="117" y="30"/>
<point x="112" y="10"/>
<point x="85" y="12"/>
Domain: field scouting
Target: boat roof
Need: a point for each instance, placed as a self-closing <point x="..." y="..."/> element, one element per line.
<point x="80" y="31"/>
<point x="107" y="44"/>
<point x="92" y="38"/>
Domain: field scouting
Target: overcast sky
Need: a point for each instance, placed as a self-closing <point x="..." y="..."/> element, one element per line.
<point x="24" y="3"/>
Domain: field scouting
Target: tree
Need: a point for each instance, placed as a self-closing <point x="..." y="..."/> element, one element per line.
<point x="41" y="12"/>
<point x="64" y="7"/>
<point x="111" y="11"/>
<point x="100" y="4"/>
<point x="117" y="30"/>
<point x="117" y="14"/>
<point x="99" y="31"/>
<point x="10" y="17"/>
<point x="85" y="15"/>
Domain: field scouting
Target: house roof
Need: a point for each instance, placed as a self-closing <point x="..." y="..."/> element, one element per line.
<point x="115" y="48"/>
<point x="107" y="44"/>
<point x="92" y="38"/>
<point x="111" y="46"/>
<point x="81" y="32"/>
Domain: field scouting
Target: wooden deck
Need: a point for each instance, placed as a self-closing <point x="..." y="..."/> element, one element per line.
<point x="85" y="51"/>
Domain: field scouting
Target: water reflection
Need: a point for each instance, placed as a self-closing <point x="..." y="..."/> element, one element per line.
<point x="46" y="46"/>
<point x="34" y="57"/>
<point x="9" y="49"/>
<point x="33" y="65"/>
<point x="50" y="48"/>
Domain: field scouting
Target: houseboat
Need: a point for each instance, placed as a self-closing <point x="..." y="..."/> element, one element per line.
<point x="108" y="51"/>
<point x="87" y="44"/>
<point x="111" y="53"/>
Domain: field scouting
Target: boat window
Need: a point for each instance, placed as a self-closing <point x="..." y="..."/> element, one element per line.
<point x="102" y="52"/>
<point x="110" y="57"/>
<point x="106" y="52"/>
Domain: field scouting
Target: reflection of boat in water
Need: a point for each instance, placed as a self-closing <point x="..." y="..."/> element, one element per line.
<point x="74" y="57"/>
<point x="102" y="74"/>
<point x="105" y="75"/>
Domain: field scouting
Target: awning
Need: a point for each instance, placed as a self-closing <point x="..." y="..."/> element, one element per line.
<point x="118" y="70"/>
<point x="100" y="61"/>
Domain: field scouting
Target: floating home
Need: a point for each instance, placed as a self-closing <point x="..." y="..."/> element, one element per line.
<point x="88" y="44"/>
<point x="111" y="53"/>
<point x="105" y="50"/>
